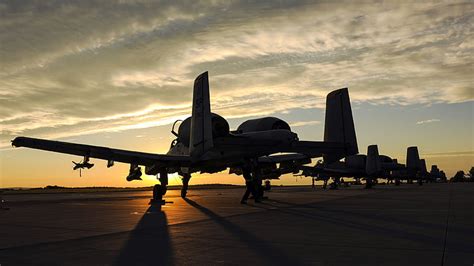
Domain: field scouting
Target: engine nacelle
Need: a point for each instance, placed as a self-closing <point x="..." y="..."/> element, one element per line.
<point x="385" y="159"/>
<point x="220" y="128"/>
<point x="356" y="161"/>
<point x="262" y="124"/>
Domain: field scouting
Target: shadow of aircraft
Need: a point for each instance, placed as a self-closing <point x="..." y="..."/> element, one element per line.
<point x="149" y="243"/>
<point x="262" y="248"/>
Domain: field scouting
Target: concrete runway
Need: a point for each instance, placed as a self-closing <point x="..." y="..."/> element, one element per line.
<point x="387" y="225"/>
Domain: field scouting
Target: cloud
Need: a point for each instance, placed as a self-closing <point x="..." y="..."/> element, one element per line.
<point x="304" y="123"/>
<point x="427" y="121"/>
<point x="72" y="67"/>
<point x="450" y="154"/>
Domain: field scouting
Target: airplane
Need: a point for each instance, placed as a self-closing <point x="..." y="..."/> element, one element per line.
<point x="436" y="175"/>
<point x="357" y="166"/>
<point x="413" y="169"/>
<point x="204" y="143"/>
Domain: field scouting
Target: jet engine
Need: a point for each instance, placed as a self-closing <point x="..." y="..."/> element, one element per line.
<point x="262" y="124"/>
<point x="389" y="164"/>
<point x="220" y="128"/>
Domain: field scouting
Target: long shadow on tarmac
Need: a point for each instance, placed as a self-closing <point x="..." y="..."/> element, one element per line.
<point x="261" y="247"/>
<point x="149" y="243"/>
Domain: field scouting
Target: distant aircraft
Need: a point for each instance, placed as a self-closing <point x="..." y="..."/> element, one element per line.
<point x="358" y="166"/>
<point x="205" y="144"/>
<point x="436" y="175"/>
<point x="414" y="169"/>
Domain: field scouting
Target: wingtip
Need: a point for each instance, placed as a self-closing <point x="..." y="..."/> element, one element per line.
<point x="14" y="142"/>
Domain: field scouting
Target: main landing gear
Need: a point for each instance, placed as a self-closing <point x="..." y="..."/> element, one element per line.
<point x="335" y="183"/>
<point x="420" y="181"/>
<point x="397" y="182"/>
<point x="159" y="190"/>
<point x="184" y="188"/>
<point x="325" y="184"/>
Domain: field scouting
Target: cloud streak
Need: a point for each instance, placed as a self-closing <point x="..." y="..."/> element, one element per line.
<point x="72" y="67"/>
<point x="304" y="123"/>
<point x="428" y="121"/>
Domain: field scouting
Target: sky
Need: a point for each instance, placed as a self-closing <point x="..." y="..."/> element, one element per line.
<point x="119" y="73"/>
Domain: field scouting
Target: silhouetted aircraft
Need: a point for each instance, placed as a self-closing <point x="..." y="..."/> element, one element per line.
<point x="358" y="166"/>
<point x="205" y="144"/>
<point x="436" y="175"/>
<point x="414" y="169"/>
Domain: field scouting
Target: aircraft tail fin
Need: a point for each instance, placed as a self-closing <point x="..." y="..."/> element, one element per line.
<point x="339" y="124"/>
<point x="422" y="166"/>
<point x="413" y="158"/>
<point x="373" y="164"/>
<point x="201" y="125"/>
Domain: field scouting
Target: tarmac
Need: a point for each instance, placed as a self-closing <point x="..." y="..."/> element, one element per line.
<point x="431" y="224"/>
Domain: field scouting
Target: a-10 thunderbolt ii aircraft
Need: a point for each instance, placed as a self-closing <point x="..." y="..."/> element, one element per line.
<point x="436" y="175"/>
<point x="205" y="144"/>
<point x="414" y="168"/>
<point x="357" y="166"/>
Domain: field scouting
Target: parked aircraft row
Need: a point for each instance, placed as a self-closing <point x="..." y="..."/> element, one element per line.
<point x="259" y="149"/>
<point x="373" y="167"/>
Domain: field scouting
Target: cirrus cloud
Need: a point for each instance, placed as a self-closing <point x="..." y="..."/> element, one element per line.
<point x="72" y="67"/>
<point x="427" y="121"/>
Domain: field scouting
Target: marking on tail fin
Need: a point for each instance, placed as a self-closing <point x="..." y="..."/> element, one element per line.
<point x="201" y="126"/>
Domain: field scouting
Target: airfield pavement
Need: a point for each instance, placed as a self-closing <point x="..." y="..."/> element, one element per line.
<point x="406" y="225"/>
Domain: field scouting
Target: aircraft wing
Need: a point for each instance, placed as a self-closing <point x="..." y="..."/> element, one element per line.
<point x="104" y="153"/>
